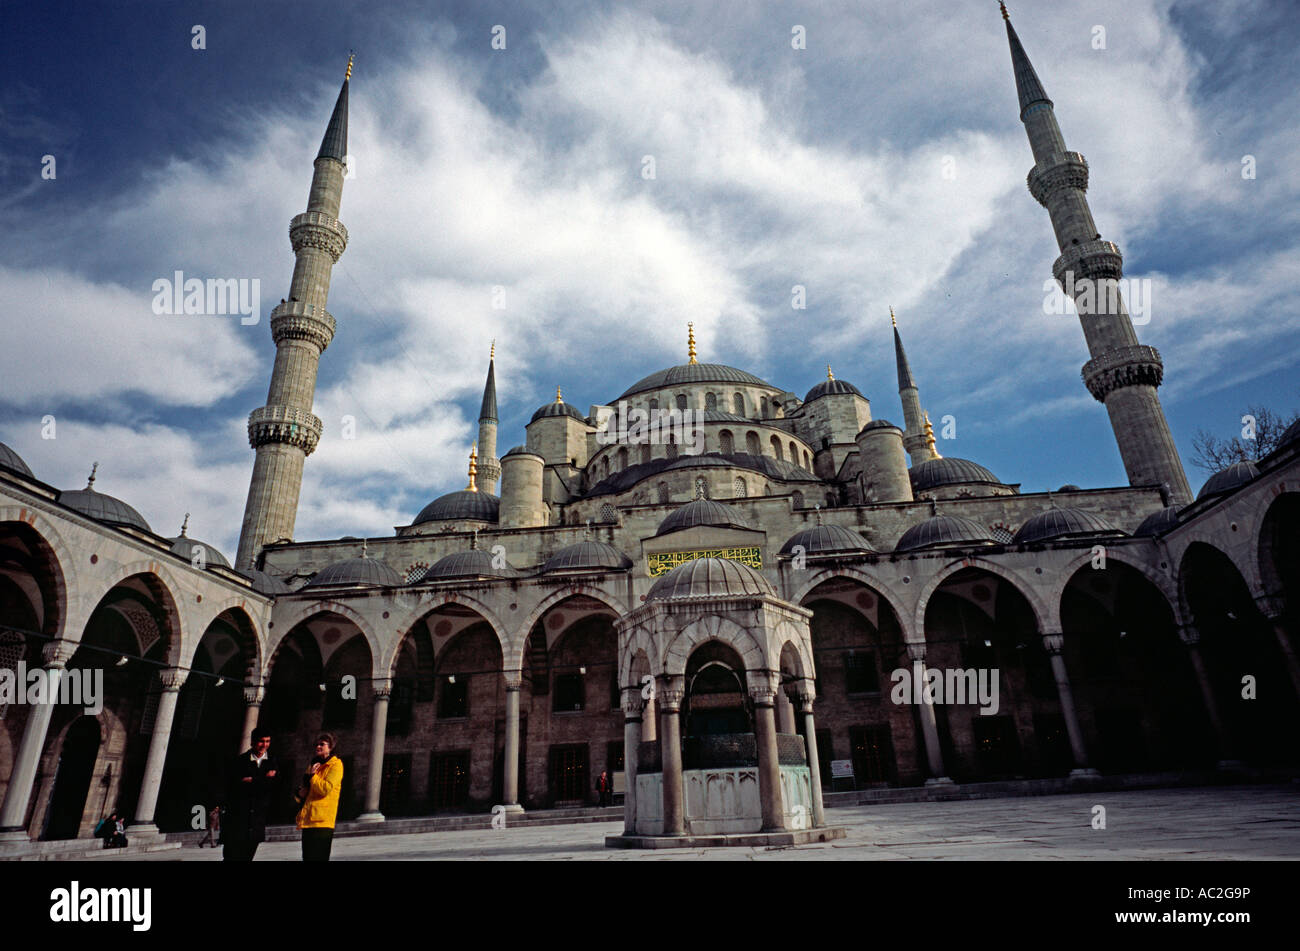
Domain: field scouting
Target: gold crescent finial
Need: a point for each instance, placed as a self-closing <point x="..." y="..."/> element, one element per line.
<point x="559" y="397"/>
<point x="1005" y="15"/>
<point x="892" y="319"/>
<point x="91" y="480"/>
<point x="690" y="342"/>
<point x="348" y="74"/>
<point x="185" y="524"/>
<point x="929" y="436"/>
<point x="829" y="375"/>
<point x="473" y="468"/>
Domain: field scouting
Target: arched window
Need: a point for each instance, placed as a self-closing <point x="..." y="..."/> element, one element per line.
<point x="728" y="442"/>
<point x="798" y="499"/>
<point x="622" y="458"/>
<point x="672" y="448"/>
<point x="681" y="401"/>
<point x="739" y="489"/>
<point x="711" y="401"/>
<point x="806" y="463"/>
<point x="762" y="407"/>
<point x="701" y="487"/>
<point x="776" y="447"/>
<point x="645" y="452"/>
<point x="794" y="452"/>
<point x="751" y="444"/>
<point x="654" y="404"/>
<point x="664" y="494"/>
<point x="738" y="402"/>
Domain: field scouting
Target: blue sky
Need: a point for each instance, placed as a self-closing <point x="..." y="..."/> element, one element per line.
<point x="521" y="168"/>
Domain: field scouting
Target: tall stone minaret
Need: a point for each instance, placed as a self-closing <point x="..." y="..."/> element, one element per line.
<point x="489" y="467"/>
<point x="1123" y="374"/>
<point x="918" y="443"/>
<point x="284" y="431"/>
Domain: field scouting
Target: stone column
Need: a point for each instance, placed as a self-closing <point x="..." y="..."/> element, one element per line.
<point x="383" y="690"/>
<point x="670" y="753"/>
<point x="1274" y="609"/>
<point x="649" y="720"/>
<point x="1190" y="636"/>
<point x="171" y="678"/>
<point x="784" y="713"/>
<point x="510" y="768"/>
<point x="1054" y="644"/>
<point x="631" y="743"/>
<point x="18" y="794"/>
<point x="806" y="697"/>
<point x="929" y="722"/>
<point x="253" y="697"/>
<point x="769" y="769"/>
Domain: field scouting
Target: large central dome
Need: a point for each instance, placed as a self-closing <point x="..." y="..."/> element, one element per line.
<point x="693" y="373"/>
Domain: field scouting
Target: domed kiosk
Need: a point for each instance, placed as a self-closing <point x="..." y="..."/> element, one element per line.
<point x="711" y="654"/>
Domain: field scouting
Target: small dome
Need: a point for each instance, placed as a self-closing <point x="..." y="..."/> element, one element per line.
<point x="830" y="388"/>
<point x="1062" y="523"/>
<point x="479" y="506"/>
<point x="949" y="471"/>
<point x="693" y="373"/>
<point x="587" y="555"/>
<point x="523" y="451"/>
<point x="827" y="540"/>
<point x="184" y="546"/>
<point x="558" y="408"/>
<point x="103" y="508"/>
<point x="878" y="424"/>
<point x="356" y="571"/>
<point x="13" y="462"/>
<point x="1157" y="523"/>
<point x="702" y="512"/>
<point x="1069" y="487"/>
<point x="1225" y="480"/>
<point x="264" y="583"/>
<point x="708" y="577"/>
<point x="943" y="531"/>
<point x="467" y="564"/>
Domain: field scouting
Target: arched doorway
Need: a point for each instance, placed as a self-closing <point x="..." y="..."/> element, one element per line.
<point x="72" y="778"/>
<point x="716" y="701"/>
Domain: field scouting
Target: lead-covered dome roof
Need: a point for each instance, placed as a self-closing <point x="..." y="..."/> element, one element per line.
<point x="587" y="556"/>
<point x="1157" y="523"/>
<point x="948" y="471"/>
<point x="832" y="388"/>
<point x="265" y="584"/>
<point x="465" y="504"/>
<point x="827" y="540"/>
<point x="1225" y="480"/>
<point x="943" y="531"/>
<point x="703" y="512"/>
<point x="103" y="508"/>
<point x="777" y="469"/>
<point x="474" y="563"/>
<point x="693" y="373"/>
<point x="558" y="408"/>
<point x="708" y="577"/>
<point x="185" y="546"/>
<point x="13" y="462"/>
<point x="1063" y="523"/>
<point x="356" y="571"/>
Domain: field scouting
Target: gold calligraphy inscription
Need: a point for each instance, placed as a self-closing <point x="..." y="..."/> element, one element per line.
<point x="664" y="561"/>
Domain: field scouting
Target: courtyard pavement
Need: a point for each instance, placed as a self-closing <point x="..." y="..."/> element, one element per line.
<point x="1240" y="822"/>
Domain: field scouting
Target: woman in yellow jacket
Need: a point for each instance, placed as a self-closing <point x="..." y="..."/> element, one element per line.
<point x="319" y="795"/>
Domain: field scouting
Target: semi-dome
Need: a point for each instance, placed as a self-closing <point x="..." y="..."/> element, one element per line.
<point x="693" y="373"/>
<point x="832" y="387"/>
<point x="827" y="540"/>
<point x="708" y="577"/>
<point x="944" y="531"/>
<point x="13" y="462"/>
<point x="264" y="583"/>
<point x="587" y="555"/>
<point x="1063" y="523"/>
<point x="948" y="471"/>
<point x="703" y="512"/>
<point x="103" y="508"/>
<point x="1225" y="480"/>
<point x="356" y="571"/>
<point x="474" y="563"/>
<point x="465" y="504"/>
<point x="184" y="546"/>
<point x="1157" y="523"/>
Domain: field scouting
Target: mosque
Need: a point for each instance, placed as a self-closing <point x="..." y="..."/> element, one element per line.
<point x="706" y="587"/>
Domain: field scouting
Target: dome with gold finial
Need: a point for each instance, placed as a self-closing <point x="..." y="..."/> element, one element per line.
<point x="831" y="386"/>
<point x="469" y="504"/>
<point x="693" y="372"/>
<point x="103" y="508"/>
<point x="558" y="408"/>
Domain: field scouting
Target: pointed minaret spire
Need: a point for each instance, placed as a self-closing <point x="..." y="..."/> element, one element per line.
<point x="690" y="343"/>
<point x="1122" y="373"/>
<point x="284" y="432"/>
<point x="489" y="465"/>
<point x="914" y="440"/>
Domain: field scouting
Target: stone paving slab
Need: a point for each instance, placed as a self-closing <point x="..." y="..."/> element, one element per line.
<point x="1218" y="823"/>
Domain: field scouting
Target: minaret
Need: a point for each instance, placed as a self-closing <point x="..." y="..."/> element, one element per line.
<point x="1123" y="374"/>
<point x="284" y="432"/>
<point x="489" y="467"/>
<point x="914" y="421"/>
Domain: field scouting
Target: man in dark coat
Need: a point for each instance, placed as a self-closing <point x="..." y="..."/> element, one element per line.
<point x="248" y="797"/>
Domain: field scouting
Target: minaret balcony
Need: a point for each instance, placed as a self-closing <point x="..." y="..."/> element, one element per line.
<point x="1125" y="366"/>
<point x="300" y="320"/>
<point x="284" y="424"/>
<point x="1059" y="170"/>
<point x="314" y="229"/>
<point x="1089" y="260"/>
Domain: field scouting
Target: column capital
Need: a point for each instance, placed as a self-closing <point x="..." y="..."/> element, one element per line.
<point x="253" y="696"/>
<point x="632" y="704"/>
<point x="1189" y="635"/>
<point x="763" y="695"/>
<point x="514" y="682"/>
<point x="915" y="651"/>
<point x="382" y="687"/>
<point x="1272" y="606"/>
<point x="58" y="653"/>
<point x="172" y="678"/>
<point x="1053" y="642"/>
<point x="670" y="693"/>
<point x="804" y="699"/>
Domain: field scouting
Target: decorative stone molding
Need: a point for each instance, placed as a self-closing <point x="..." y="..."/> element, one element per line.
<point x="56" y="654"/>
<point x="1089" y="260"/>
<point x="1060" y="170"/>
<point x="1189" y="635"/>
<point x="915" y="652"/>
<point x="514" y="683"/>
<point x="382" y="689"/>
<point x="299" y="320"/>
<point x="283" y="424"/>
<point x="670" y="698"/>
<point x="804" y="698"/>
<point x="1125" y="366"/>
<point x="312" y="229"/>
<point x="632" y="704"/>
<point x="763" y="695"/>
<point x="1054" y="643"/>
<point x="1271" y="606"/>
<point x="172" y="678"/>
<point x="253" y="696"/>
